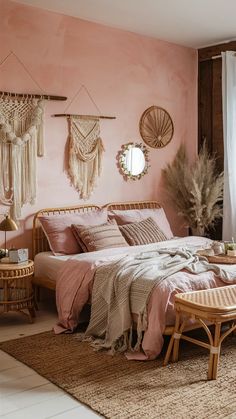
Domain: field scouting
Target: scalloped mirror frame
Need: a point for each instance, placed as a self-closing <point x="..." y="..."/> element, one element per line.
<point x="121" y="160"/>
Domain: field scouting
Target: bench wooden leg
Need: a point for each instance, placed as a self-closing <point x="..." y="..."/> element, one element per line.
<point x="169" y="349"/>
<point x="216" y="356"/>
<point x="210" y="366"/>
<point x="173" y="341"/>
<point x="177" y="335"/>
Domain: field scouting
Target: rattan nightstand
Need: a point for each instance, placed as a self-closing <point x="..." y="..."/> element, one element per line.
<point x="16" y="289"/>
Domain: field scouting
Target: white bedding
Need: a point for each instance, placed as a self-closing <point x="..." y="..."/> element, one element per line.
<point x="48" y="265"/>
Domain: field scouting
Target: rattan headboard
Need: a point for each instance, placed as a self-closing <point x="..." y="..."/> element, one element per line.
<point x="40" y="242"/>
<point x="132" y="205"/>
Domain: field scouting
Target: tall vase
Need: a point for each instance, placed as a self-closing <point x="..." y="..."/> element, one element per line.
<point x="198" y="231"/>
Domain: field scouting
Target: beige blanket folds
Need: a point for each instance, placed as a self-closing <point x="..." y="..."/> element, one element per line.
<point x="123" y="288"/>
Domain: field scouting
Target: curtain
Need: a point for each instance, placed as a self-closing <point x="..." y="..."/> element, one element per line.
<point x="229" y="130"/>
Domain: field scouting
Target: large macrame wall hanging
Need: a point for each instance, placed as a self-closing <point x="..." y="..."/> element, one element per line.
<point x="21" y="141"/>
<point x="85" y="154"/>
<point x="85" y="147"/>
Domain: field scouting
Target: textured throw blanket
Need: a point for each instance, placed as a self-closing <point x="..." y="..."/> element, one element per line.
<point x="122" y="288"/>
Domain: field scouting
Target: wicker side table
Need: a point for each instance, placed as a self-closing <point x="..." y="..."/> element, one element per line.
<point x="16" y="290"/>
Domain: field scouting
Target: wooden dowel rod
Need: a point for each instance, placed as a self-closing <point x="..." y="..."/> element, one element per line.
<point x="83" y="116"/>
<point x="196" y="341"/>
<point x="28" y="95"/>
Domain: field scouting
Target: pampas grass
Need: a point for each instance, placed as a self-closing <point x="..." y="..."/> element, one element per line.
<point x="197" y="190"/>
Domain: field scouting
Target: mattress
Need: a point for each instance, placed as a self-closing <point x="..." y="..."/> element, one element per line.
<point x="48" y="265"/>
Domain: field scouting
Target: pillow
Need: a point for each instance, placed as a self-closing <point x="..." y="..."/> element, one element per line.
<point x="131" y="216"/>
<point x="100" y="237"/>
<point x="142" y="232"/>
<point x="57" y="229"/>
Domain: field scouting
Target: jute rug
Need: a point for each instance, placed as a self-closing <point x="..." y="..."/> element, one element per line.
<point x="117" y="388"/>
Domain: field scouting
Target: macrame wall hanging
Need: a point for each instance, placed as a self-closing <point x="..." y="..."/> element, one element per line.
<point x="21" y="141"/>
<point x="85" y="154"/>
<point x="85" y="148"/>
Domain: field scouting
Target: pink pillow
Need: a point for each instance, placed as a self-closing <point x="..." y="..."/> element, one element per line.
<point x="99" y="237"/>
<point x="57" y="229"/>
<point x="131" y="216"/>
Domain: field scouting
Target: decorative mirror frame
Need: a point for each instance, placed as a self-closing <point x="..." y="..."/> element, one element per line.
<point x="121" y="160"/>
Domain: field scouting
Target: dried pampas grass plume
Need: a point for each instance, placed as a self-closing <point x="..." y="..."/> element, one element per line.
<point x="197" y="190"/>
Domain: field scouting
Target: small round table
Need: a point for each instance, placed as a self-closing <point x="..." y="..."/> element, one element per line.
<point x="16" y="290"/>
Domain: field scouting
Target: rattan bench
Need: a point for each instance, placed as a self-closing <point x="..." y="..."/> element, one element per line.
<point x="213" y="306"/>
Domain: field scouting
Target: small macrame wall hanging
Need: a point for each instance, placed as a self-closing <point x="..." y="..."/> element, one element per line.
<point x="85" y="154"/>
<point x="85" y="148"/>
<point x="21" y="142"/>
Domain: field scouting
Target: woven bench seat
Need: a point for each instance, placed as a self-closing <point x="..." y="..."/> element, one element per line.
<point x="212" y="306"/>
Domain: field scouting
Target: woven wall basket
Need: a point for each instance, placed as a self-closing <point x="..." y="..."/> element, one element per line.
<point x="156" y="127"/>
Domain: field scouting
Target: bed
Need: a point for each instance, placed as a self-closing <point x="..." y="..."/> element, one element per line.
<point x="48" y="267"/>
<point x="46" y="277"/>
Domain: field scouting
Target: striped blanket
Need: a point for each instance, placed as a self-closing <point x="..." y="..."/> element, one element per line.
<point x="123" y="288"/>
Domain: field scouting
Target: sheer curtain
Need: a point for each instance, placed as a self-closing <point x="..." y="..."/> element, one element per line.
<point x="229" y="129"/>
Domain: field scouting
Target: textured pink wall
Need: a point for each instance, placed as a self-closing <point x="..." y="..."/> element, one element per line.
<point x="124" y="72"/>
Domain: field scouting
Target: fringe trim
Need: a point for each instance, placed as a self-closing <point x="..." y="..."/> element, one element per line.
<point x="124" y="342"/>
<point x="21" y="141"/>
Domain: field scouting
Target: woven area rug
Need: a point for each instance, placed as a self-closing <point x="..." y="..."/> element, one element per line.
<point x="118" y="388"/>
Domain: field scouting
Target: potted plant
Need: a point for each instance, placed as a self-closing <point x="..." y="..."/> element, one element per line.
<point x="196" y="190"/>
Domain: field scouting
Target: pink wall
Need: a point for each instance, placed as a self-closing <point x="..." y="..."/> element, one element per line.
<point x="125" y="73"/>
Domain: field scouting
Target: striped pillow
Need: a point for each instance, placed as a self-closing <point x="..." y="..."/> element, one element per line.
<point x="100" y="237"/>
<point x="142" y="232"/>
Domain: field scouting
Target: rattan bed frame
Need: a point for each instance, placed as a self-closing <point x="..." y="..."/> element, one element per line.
<point x="40" y="242"/>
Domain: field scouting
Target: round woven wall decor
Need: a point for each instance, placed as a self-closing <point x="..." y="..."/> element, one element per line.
<point x="156" y="127"/>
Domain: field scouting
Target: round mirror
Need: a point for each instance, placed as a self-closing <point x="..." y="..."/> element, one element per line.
<point x="133" y="160"/>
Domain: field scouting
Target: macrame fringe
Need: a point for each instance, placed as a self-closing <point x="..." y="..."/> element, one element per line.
<point x="21" y="141"/>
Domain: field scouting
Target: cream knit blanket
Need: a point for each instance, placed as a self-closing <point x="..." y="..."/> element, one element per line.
<point x="122" y="288"/>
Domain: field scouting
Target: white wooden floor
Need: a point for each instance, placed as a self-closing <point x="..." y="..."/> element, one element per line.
<point x="23" y="393"/>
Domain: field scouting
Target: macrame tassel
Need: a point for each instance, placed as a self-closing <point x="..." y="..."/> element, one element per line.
<point x="85" y="154"/>
<point x="40" y="137"/>
<point x="5" y="192"/>
<point x="31" y="165"/>
<point x="16" y="181"/>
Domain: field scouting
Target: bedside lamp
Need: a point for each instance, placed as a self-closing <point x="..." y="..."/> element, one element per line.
<point x="7" y="225"/>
